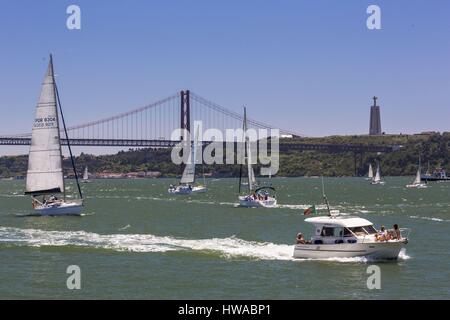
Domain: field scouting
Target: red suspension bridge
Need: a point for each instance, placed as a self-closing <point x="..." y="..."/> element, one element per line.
<point x="152" y="126"/>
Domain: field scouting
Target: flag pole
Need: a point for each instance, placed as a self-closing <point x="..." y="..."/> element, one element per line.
<point x="325" y="198"/>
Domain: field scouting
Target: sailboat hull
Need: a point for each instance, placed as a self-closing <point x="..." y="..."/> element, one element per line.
<point x="187" y="190"/>
<point x="59" y="209"/>
<point x="249" y="202"/>
<point x="417" y="186"/>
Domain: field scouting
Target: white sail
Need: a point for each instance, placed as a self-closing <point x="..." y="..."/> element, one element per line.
<point x="377" y="175"/>
<point x="417" y="180"/>
<point x="86" y="174"/>
<point x="45" y="174"/>
<point x="189" y="170"/>
<point x="370" y="175"/>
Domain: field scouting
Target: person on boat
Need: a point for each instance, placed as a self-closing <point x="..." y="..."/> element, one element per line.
<point x="397" y="233"/>
<point x="300" y="239"/>
<point x="381" y="235"/>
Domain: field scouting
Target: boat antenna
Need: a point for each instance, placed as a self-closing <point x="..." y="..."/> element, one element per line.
<point x="325" y="198"/>
<point x="67" y="138"/>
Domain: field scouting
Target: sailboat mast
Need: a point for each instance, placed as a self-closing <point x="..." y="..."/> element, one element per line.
<point x="55" y="92"/>
<point x="247" y="153"/>
<point x="67" y="137"/>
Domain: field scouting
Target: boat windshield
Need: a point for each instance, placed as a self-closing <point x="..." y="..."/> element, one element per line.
<point x="370" y="229"/>
<point x="362" y="231"/>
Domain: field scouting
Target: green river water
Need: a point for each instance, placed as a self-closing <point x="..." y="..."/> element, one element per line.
<point x="137" y="242"/>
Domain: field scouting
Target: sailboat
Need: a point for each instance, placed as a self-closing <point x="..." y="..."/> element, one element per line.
<point x="417" y="183"/>
<point x="257" y="197"/>
<point x="187" y="181"/>
<point x="370" y="173"/>
<point x="377" y="178"/>
<point x="45" y="179"/>
<point x="86" y="175"/>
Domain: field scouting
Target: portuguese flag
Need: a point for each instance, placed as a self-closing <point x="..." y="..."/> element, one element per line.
<point x="310" y="210"/>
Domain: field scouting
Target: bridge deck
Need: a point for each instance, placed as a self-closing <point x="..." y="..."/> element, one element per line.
<point x="284" y="146"/>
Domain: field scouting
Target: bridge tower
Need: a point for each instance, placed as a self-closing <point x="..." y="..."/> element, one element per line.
<point x="185" y="112"/>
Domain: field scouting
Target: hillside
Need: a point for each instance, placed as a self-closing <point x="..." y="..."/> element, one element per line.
<point x="434" y="148"/>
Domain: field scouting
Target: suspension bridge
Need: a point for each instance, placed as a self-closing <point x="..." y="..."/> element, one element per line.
<point x="152" y="126"/>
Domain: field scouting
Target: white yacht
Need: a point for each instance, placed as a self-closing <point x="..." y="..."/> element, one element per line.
<point x="187" y="182"/>
<point x="85" y="175"/>
<point x="338" y="236"/>
<point x="417" y="183"/>
<point x="257" y="197"/>
<point x="377" y="179"/>
<point x="45" y="179"/>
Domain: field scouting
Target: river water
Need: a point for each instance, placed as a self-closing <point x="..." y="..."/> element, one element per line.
<point x="137" y="242"/>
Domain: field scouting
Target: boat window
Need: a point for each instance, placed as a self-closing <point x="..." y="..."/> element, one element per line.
<point x="359" y="231"/>
<point x="332" y="232"/>
<point x="347" y="233"/>
<point x="327" y="232"/>
<point x="370" y="229"/>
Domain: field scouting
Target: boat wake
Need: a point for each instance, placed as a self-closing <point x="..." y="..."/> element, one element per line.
<point x="429" y="218"/>
<point x="229" y="248"/>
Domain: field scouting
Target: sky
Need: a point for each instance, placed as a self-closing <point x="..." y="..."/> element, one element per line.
<point x="307" y="66"/>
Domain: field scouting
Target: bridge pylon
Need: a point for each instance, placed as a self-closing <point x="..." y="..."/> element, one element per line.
<point x="185" y="111"/>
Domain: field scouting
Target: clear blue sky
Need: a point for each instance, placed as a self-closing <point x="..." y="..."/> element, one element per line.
<point x="309" y="66"/>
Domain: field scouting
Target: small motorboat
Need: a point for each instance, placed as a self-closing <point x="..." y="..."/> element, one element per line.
<point x="338" y="236"/>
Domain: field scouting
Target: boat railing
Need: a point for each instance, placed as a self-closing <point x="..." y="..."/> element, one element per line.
<point x="405" y="232"/>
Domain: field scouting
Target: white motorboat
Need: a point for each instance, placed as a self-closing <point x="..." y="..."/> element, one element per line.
<point x="339" y="236"/>
<point x="262" y="197"/>
<point x="187" y="182"/>
<point x="45" y="174"/>
<point x="417" y="183"/>
<point x="377" y="179"/>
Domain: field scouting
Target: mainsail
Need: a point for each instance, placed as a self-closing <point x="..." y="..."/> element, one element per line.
<point x="45" y="174"/>
<point x="189" y="170"/>
<point x="86" y="174"/>
<point x="377" y="175"/>
<point x="370" y="175"/>
<point x="417" y="180"/>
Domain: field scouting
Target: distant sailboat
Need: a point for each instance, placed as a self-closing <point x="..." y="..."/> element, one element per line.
<point x="45" y="173"/>
<point x="417" y="183"/>
<point x="187" y="181"/>
<point x="377" y="178"/>
<point x="370" y="173"/>
<point x="257" y="197"/>
<point x="86" y="175"/>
